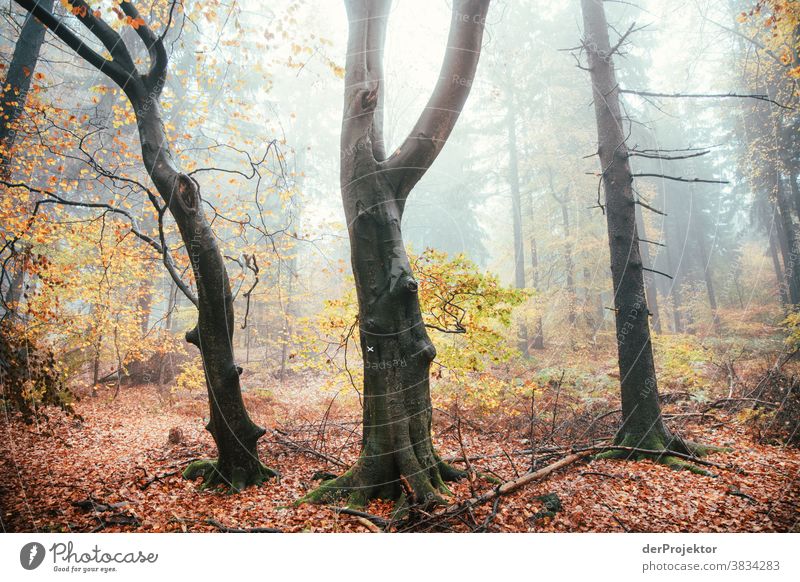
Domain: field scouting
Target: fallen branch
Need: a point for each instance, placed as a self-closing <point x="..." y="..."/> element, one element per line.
<point x="369" y="525"/>
<point x="662" y="453"/>
<point x="309" y="451"/>
<point x="511" y="486"/>
<point x="755" y="401"/>
<point x="226" y="529"/>
<point x="375" y="520"/>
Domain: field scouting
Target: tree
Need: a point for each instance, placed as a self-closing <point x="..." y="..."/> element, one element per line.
<point x="13" y="96"/>
<point x="18" y="81"/>
<point x="397" y="451"/>
<point x="642" y="426"/>
<point x="234" y="433"/>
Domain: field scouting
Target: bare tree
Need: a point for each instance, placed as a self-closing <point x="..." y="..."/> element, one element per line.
<point x="397" y="453"/>
<point x="235" y="434"/>
<point x="642" y="426"/>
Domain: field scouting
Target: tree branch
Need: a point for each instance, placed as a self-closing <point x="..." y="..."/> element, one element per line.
<point x="756" y="96"/>
<point x="681" y="179"/>
<point x="112" y="69"/>
<point x="426" y="140"/>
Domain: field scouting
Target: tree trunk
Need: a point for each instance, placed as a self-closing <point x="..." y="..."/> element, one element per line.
<point x="516" y="210"/>
<point x="18" y="81"/>
<point x="790" y="243"/>
<point x="700" y="240"/>
<point x="642" y="424"/>
<point x="397" y="455"/>
<point x="569" y="267"/>
<point x="234" y="433"/>
<point x="776" y="262"/>
<point x="651" y="290"/>
<point x="537" y="342"/>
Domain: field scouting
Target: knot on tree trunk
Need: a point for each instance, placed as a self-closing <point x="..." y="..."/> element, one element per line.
<point x="410" y="284"/>
<point x="193" y="336"/>
<point x="369" y="99"/>
<point x="188" y="193"/>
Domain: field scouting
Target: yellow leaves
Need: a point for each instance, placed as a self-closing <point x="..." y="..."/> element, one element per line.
<point x="336" y="69"/>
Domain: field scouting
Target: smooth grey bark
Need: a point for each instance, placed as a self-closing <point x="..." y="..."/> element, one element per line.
<point x="397" y="455"/>
<point x="234" y="433"/>
<point x="642" y="423"/>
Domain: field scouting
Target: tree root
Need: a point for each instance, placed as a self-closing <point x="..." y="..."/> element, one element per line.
<point x="358" y="488"/>
<point x="239" y="480"/>
<point x="672" y="451"/>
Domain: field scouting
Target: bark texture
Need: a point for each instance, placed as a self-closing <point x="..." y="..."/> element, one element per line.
<point x="235" y="434"/>
<point x="642" y="425"/>
<point x="397" y="457"/>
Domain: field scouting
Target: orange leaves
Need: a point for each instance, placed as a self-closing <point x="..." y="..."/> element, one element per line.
<point x="136" y="23"/>
<point x="80" y="11"/>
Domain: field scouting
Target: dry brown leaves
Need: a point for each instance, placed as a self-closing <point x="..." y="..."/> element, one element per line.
<point x="116" y="471"/>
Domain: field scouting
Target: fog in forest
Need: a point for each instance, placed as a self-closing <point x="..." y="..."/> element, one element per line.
<point x="560" y="223"/>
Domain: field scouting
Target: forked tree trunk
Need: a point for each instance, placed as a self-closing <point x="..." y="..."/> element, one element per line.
<point x="642" y="424"/>
<point x="234" y="433"/>
<point x="397" y="454"/>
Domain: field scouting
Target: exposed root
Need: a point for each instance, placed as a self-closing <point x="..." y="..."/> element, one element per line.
<point x="669" y="450"/>
<point x="238" y="481"/>
<point x="359" y="487"/>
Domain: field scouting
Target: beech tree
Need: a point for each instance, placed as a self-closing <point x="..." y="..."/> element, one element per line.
<point x="642" y="425"/>
<point x="397" y="453"/>
<point x="18" y="81"/>
<point x="235" y="434"/>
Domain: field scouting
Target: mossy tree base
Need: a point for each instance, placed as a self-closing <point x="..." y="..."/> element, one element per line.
<point x="360" y="485"/>
<point x="239" y="479"/>
<point x="664" y="443"/>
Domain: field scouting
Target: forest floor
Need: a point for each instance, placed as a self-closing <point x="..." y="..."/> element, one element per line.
<point x="113" y="469"/>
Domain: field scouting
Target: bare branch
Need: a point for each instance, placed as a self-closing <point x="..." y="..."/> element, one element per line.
<point x="756" y="96"/>
<point x="656" y="272"/>
<point x="112" y="69"/>
<point x="681" y="179"/>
